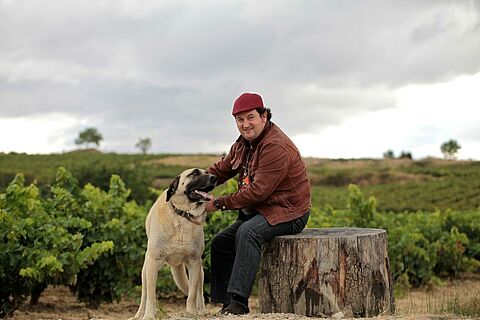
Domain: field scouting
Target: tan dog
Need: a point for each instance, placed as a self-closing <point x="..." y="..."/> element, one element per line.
<point x="174" y="228"/>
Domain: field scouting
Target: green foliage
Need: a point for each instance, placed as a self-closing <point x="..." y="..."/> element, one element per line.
<point x="398" y="185"/>
<point x="88" y="232"/>
<point x="139" y="172"/>
<point x="418" y="185"/>
<point x="422" y="245"/>
<point x="117" y="221"/>
<point x="87" y="238"/>
<point x="39" y="245"/>
<point x="468" y="223"/>
<point x="362" y="209"/>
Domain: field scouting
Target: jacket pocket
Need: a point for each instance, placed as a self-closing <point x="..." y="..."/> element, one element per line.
<point x="279" y="200"/>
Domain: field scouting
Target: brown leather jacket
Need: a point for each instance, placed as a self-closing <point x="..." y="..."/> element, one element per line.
<point x="279" y="187"/>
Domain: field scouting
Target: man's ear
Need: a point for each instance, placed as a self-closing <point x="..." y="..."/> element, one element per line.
<point x="263" y="116"/>
<point x="172" y="188"/>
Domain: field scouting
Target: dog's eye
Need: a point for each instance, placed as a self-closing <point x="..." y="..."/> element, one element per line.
<point x="196" y="172"/>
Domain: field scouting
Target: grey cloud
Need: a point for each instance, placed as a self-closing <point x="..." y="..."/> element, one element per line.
<point x="353" y="43"/>
<point x="171" y="70"/>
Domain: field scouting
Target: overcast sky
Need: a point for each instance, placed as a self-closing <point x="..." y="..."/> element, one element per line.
<point x="344" y="79"/>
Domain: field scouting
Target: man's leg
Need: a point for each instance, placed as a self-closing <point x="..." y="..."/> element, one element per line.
<point x="222" y="257"/>
<point x="249" y="241"/>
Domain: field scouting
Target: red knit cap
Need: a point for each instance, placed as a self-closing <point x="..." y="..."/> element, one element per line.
<point x="247" y="102"/>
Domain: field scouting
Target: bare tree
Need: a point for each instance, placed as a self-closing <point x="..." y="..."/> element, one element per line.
<point x="144" y="144"/>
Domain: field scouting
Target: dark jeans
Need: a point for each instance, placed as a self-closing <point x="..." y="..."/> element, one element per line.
<point x="236" y="251"/>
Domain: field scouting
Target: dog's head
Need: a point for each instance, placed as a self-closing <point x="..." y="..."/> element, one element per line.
<point x="194" y="184"/>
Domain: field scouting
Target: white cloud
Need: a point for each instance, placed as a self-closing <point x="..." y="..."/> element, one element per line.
<point x="43" y="134"/>
<point x="425" y="116"/>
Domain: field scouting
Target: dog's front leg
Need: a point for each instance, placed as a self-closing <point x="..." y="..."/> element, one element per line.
<point x="152" y="265"/>
<point x="141" y="308"/>
<point x="195" y="301"/>
<point x="200" y="301"/>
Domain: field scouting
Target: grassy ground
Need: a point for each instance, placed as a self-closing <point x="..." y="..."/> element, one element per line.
<point x="398" y="185"/>
<point x="459" y="299"/>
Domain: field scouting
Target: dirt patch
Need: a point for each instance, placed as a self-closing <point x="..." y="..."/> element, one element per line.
<point x="58" y="303"/>
<point x="191" y="161"/>
<point x="365" y="179"/>
<point x="379" y="163"/>
<point x="357" y="163"/>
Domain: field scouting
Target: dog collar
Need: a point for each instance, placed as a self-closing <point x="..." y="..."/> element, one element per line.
<point x="187" y="215"/>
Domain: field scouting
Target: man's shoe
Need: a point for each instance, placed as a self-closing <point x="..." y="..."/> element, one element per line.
<point x="224" y="307"/>
<point x="235" y="308"/>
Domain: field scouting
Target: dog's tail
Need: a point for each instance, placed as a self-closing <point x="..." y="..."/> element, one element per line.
<point x="180" y="277"/>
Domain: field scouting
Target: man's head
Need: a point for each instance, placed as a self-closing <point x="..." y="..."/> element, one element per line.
<point x="250" y="115"/>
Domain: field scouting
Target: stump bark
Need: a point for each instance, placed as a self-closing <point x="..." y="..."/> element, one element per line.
<point x="320" y="272"/>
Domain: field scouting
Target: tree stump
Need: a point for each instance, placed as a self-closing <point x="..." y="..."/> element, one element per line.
<point x="320" y="272"/>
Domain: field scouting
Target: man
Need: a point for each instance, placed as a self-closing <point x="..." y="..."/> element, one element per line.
<point x="273" y="199"/>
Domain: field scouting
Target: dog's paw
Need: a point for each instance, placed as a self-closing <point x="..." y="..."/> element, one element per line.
<point x="196" y="312"/>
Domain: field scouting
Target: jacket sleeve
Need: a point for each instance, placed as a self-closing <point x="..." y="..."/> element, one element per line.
<point x="272" y="169"/>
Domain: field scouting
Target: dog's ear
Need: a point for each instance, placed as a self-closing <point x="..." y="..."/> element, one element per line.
<point x="173" y="187"/>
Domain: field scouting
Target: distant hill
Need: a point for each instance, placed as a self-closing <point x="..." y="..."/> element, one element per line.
<point x="397" y="184"/>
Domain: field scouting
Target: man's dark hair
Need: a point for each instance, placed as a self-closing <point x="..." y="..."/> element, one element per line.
<point x="267" y="110"/>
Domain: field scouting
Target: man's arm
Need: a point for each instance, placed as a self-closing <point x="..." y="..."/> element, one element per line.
<point x="272" y="168"/>
<point x="223" y="169"/>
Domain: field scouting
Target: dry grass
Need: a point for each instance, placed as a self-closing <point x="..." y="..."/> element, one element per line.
<point x="459" y="297"/>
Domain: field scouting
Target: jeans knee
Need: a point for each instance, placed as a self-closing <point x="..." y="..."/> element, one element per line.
<point x="249" y="234"/>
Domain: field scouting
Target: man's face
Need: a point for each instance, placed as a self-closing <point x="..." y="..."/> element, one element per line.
<point x="250" y="123"/>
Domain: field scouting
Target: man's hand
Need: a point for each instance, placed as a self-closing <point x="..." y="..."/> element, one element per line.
<point x="209" y="206"/>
